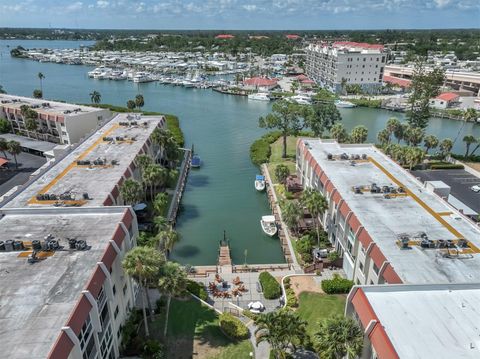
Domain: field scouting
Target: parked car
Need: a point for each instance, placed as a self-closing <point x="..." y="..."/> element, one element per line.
<point x="476" y="188"/>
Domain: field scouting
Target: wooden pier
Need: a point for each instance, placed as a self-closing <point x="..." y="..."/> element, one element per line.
<point x="177" y="195"/>
<point x="224" y="262"/>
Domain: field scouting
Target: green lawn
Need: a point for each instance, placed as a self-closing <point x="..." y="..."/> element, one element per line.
<point x="314" y="306"/>
<point x="276" y="156"/>
<point x="193" y="328"/>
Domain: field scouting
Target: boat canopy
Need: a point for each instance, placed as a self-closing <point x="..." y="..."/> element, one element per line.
<point x="260" y="178"/>
<point x="268" y="218"/>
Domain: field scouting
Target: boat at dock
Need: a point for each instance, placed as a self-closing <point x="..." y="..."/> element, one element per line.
<point x="260" y="96"/>
<point x="269" y="226"/>
<point x="196" y="161"/>
<point x="260" y="183"/>
<point x="344" y="104"/>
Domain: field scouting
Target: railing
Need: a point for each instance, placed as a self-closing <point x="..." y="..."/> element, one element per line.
<point x="180" y="187"/>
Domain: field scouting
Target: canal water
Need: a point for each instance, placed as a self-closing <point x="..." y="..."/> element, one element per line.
<point x="220" y="195"/>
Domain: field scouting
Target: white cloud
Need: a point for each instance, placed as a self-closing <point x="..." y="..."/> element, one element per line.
<point x="102" y="4"/>
<point x="250" y="7"/>
<point x="441" y="3"/>
<point x="74" y="6"/>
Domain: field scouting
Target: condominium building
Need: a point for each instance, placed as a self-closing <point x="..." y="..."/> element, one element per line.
<point x="417" y="321"/>
<point x="57" y="122"/>
<point x="63" y="237"/>
<point x="336" y="65"/>
<point x="385" y="224"/>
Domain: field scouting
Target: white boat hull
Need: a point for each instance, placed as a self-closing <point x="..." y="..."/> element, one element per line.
<point x="260" y="185"/>
<point x="269" y="226"/>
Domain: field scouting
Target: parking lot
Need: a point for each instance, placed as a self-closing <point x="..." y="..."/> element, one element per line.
<point x="11" y="177"/>
<point x="460" y="182"/>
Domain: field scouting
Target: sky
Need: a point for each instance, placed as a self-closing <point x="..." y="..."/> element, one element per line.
<point x="241" y="14"/>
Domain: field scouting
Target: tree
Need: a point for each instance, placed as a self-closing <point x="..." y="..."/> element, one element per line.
<point x="339" y="133"/>
<point x="37" y="93"/>
<point x="430" y="142"/>
<point x="131" y="191"/>
<point x="316" y="204"/>
<point x="424" y="86"/>
<point x="343" y="84"/>
<point x="470" y="115"/>
<point x="144" y="265"/>
<point x="153" y="176"/>
<point x="291" y="213"/>
<point x="139" y="101"/>
<point x="172" y="282"/>
<point x="131" y="105"/>
<point x="414" y="156"/>
<point x="41" y="77"/>
<point x="285" y="117"/>
<point x="4" y="147"/>
<point x="445" y="147"/>
<point x="413" y="135"/>
<point x="399" y="131"/>
<point x="476" y="147"/>
<point x="322" y="116"/>
<point x="160" y="223"/>
<point x="281" y="173"/>
<point x="160" y="203"/>
<point x="468" y="139"/>
<point x="166" y="240"/>
<point x="14" y="149"/>
<point x="31" y="125"/>
<point x="2" y="90"/>
<point x="4" y="126"/>
<point x="383" y="137"/>
<point x="359" y="134"/>
<point x="338" y="337"/>
<point x="95" y="97"/>
<point x="283" y="329"/>
<point x="393" y="125"/>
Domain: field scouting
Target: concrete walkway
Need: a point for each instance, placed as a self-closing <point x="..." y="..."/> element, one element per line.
<point x="262" y="351"/>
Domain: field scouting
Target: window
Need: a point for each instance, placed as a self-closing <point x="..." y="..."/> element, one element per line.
<point x="114" y="290"/>
<point x="115" y="314"/>
<point x="375" y="268"/>
<point x="360" y="266"/>
<point x="125" y="289"/>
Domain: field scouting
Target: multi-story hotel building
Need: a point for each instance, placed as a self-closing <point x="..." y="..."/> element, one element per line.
<point x="57" y="122"/>
<point x="417" y="321"/>
<point x="346" y="63"/>
<point x="64" y="234"/>
<point x="385" y="224"/>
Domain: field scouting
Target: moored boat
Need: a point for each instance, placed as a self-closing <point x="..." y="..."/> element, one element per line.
<point x="196" y="161"/>
<point x="269" y="226"/>
<point x="344" y="104"/>
<point x="260" y="96"/>
<point x="260" y="183"/>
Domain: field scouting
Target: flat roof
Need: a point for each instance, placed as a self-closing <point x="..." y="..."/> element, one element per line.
<point x="387" y="218"/>
<point x="98" y="181"/>
<point x="429" y="321"/>
<point x="53" y="107"/>
<point x="31" y="143"/>
<point x="36" y="300"/>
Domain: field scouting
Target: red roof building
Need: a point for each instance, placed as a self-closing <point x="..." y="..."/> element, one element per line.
<point x="292" y="36"/>
<point x="224" y="36"/>
<point x="256" y="82"/>
<point x="397" y="81"/>
<point x="447" y="96"/>
<point x="3" y="161"/>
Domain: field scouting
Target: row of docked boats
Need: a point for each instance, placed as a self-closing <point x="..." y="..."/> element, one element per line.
<point x="300" y="99"/>
<point x="268" y="223"/>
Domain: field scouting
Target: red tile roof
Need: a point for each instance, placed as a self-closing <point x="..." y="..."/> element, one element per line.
<point x="292" y="36"/>
<point x="224" y="36"/>
<point x="447" y="96"/>
<point x="3" y="161"/>
<point x="301" y="77"/>
<point x="397" y="81"/>
<point x="260" y="81"/>
<point x="362" y="45"/>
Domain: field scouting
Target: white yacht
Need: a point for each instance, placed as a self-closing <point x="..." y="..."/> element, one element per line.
<point x="344" y="104"/>
<point x="260" y="183"/>
<point x="142" y="77"/>
<point x="118" y="75"/>
<point x="301" y="99"/>
<point x="269" y="226"/>
<point x="97" y="72"/>
<point x="259" y="96"/>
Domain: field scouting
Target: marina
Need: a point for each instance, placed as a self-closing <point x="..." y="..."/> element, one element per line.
<point x="220" y="196"/>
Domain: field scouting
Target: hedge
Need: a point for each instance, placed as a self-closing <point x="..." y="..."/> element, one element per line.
<point x="292" y="300"/>
<point x="471" y="158"/>
<point x="260" y="150"/>
<point x="233" y="327"/>
<point x="197" y="289"/>
<point x="337" y="285"/>
<point x="448" y="166"/>
<point x="271" y="288"/>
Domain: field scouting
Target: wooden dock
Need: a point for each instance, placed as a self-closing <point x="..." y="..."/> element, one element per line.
<point x="177" y="195"/>
<point x="224" y="261"/>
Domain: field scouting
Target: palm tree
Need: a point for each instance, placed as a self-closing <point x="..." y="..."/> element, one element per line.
<point x="131" y="191"/>
<point x="41" y="77"/>
<point x="160" y="223"/>
<point x="339" y="133"/>
<point x="476" y="147"/>
<point x="359" y="134"/>
<point x="430" y="141"/>
<point x="131" y="105"/>
<point x="399" y="131"/>
<point x="166" y="239"/>
<point x="471" y="115"/>
<point x="160" y="203"/>
<point x="414" y="135"/>
<point x="14" y="149"/>
<point x="468" y="139"/>
<point x="316" y="204"/>
<point x="281" y="173"/>
<point x="4" y="147"/>
<point x="414" y="156"/>
<point x="172" y="282"/>
<point x="383" y="137"/>
<point x="95" y="97"/>
<point x="291" y="213"/>
<point x="392" y="125"/>
<point x="139" y="101"/>
<point x="282" y="329"/>
<point x="446" y="146"/>
<point x="338" y="337"/>
<point x="31" y="125"/>
<point x="143" y="264"/>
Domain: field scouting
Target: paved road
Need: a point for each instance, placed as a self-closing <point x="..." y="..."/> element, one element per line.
<point x="460" y="182"/>
<point x="27" y="164"/>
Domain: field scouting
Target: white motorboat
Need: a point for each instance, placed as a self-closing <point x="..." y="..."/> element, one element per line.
<point x="259" y="96"/>
<point x="301" y="99"/>
<point x="260" y="183"/>
<point x="142" y="77"/>
<point x="344" y="104"/>
<point x="268" y="225"/>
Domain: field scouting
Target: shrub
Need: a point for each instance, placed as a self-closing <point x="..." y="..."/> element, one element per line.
<point x="153" y="349"/>
<point x="287" y="282"/>
<point x="260" y="152"/>
<point x="292" y="300"/>
<point x="281" y="173"/>
<point x="197" y="289"/>
<point x="446" y="166"/>
<point x="4" y="126"/>
<point x="271" y="288"/>
<point x="333" y="256"/>
<point x="337" y="285"/>
<point x="249" y="314"/>
<point x="471" y="158"/>
<point x="233" y="327"/>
